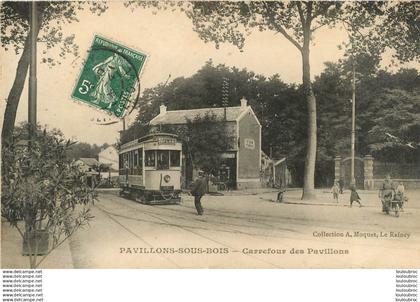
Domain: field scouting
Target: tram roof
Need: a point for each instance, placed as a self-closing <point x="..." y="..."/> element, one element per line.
<point x="148" y="138"/>
<point x="174" y="117"/>
<point x="153" y="135"/>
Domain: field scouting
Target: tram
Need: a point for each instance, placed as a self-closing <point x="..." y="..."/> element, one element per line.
<point x="150" y="169"/>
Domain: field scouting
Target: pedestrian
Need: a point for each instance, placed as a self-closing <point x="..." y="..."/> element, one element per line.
<point x="354" y="196"/>
<point x="400" y="189"/>
<point x="399" y="195"/>
<point x="335" y="190"/>
<point x="199" y="188"/>
<point x="341" y="185"/>
<point x="387" y="192"/>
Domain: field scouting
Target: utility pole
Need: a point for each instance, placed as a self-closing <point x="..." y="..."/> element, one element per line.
<point x="353" y="122"/>
<point x="225" y="94"/>
<point x="32" y="72"/>
<point x="353" y="103"/>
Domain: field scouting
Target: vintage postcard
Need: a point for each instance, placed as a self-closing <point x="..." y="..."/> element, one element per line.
<point x="240" y="134"/>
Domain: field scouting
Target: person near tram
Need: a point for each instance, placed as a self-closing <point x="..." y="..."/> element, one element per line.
<point x="198" y="190"/>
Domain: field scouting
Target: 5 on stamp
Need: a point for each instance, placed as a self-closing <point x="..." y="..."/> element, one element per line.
<point x="109" y="79"/>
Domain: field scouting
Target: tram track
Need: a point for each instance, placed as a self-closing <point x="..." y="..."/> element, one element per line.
<point x="269" y="222"/>
<point x="110" y="216"/>
<point x="225" y="225"/>
<point x="276" y="220"/>
<point x="185" y="229"/>
<point x="274" y="226"/>
<point x="222" y="214"/>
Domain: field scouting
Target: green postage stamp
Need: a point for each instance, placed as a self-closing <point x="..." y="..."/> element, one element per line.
<point x="110" y="77"/>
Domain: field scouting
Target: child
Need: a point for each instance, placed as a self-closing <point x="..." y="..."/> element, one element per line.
<point x="335" y="190"/>
<point x="399" y="195"/>
<point x="341" y="185"/>
<point x="400" y="190"/>
<point x="354" y="196"/>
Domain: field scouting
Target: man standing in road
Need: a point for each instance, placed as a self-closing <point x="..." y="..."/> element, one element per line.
<point x="199" y="188"/>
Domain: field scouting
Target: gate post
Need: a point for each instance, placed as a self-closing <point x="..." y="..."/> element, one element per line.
<point x="337" y="168"/>
<point x="368" y="172"/>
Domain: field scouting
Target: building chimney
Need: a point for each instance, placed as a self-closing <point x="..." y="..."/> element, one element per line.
<point x="243" y="103"/>
<point x="162" y="109"/>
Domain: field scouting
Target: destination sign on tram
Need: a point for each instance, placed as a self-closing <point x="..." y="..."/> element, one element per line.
<point x="166" y="141"/>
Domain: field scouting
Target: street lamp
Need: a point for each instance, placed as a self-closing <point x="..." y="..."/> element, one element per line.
<point x="353" y="122"/>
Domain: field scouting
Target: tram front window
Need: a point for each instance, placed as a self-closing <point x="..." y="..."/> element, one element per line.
<point x="149" y="158"/>
<point x="162" y="159"/>
<point x="175" y="158"/>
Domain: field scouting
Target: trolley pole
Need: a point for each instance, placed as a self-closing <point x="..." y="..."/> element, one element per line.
<point x="225" y="95"/>
<point x="353" y="123"/>
<point x="32" y="100"/>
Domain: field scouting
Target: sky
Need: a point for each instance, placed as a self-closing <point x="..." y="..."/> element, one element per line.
<point x="173" y="48"/>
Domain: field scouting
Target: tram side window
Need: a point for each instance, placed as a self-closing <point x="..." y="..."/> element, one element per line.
<point x="124" y="163"/>
<point x="140" y="161"/>
<point x="136" y="157"/>
<point x="175" y="158"/>
<point x="162" y="159"/>
<point x="121" y="164"/>
<point x="130" y="162"/>
<point x="149" y="158"/>
<point x="135" y="161"/>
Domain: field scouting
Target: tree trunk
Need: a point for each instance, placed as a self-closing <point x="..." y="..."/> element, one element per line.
<point x="309" y="173"/>
<point x="16" y="90"/>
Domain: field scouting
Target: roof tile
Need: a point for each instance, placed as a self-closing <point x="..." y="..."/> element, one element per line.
<point x="175" y="117"/>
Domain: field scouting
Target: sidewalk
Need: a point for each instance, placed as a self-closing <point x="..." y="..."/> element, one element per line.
<point x="293" y="196"/>
<point x="11" y="252"/>
<point x="369" y="198"/>
<point x="255" y="191"/>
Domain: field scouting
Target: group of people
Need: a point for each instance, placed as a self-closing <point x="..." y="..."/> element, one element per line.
<point x="354" y="196"/>
<point x="387" y="191"/>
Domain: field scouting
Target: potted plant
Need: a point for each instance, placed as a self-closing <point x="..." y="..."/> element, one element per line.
<point x="44" y="195"/>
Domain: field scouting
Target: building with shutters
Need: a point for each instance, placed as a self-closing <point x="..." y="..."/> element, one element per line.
<point x="242" y="160"/>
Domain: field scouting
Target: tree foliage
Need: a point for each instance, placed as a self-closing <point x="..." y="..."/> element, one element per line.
<point x="44" y="190"/>
<point x="204" y="139"/>
<point x="281" y="111"/>
<point x="372" y="27"/>
<point x="80" y="149"/>
<point x="16" y="34"/>
<point x="276" y="104"/>
<point x="53" y="15"/>
<point x="385" y="103"/>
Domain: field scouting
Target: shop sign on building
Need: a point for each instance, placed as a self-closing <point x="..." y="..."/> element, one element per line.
<point x="249" y="143"/>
